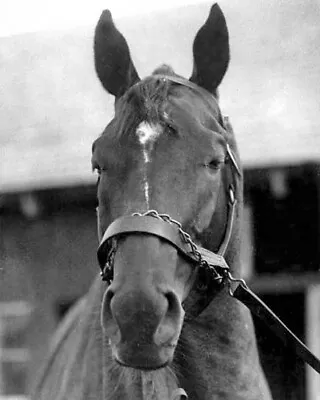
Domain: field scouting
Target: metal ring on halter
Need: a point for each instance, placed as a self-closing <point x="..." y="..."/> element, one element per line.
<point x="231" y="195"/>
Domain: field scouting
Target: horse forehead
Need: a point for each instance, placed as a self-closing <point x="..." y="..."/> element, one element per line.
<point x="197" y="99"/>
<point x="189" y="110"/>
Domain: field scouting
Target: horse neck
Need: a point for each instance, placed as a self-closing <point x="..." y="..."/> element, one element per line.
<point x="217" y="353"/>
<point x="217" y="356"/>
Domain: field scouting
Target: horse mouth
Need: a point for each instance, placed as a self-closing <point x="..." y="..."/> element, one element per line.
<point x="147" y="359"/>
<point x="142" y="367"/>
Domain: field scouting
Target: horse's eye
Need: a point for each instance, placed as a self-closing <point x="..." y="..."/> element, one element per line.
<point x="214" y="165"/>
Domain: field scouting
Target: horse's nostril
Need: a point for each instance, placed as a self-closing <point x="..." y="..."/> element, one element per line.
<point x="108" y="297"/>
<point x="170" y="324"/>
<point x="106" y="305"/>
<point x="173" y="303"/>
<point x="108" y="322"/>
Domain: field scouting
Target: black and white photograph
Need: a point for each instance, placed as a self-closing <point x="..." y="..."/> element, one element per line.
<point x="160" y="200"/>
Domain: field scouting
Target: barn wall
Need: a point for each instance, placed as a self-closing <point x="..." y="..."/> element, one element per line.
<point x="47" y="261"/>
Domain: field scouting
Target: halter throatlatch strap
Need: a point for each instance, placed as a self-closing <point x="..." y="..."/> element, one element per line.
<point x="259" y="308"/>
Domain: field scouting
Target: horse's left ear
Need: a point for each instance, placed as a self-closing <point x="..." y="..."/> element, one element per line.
<point x="112" y="58"/>
<point x="211" y="53"/>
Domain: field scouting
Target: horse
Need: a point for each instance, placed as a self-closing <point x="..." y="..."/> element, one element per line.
<point x="161" y="324"/>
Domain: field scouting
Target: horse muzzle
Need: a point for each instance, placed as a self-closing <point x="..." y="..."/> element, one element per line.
<point x="143" y="325"/>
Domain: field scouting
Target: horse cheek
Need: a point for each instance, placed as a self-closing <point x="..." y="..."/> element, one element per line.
<point x="204" y="216"/>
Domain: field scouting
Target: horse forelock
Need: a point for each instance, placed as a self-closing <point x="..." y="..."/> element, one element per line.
<point x="147" y="100"/>
<point x="164" y="69"/>
<point x="143" y="102"/>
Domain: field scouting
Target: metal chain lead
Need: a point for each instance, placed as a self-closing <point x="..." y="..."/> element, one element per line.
<point x="185" y="236"/>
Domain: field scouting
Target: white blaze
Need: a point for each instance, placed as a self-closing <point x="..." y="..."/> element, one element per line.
<point x="147" y="134"/>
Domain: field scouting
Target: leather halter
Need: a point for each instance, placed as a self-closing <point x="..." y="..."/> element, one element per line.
<point x="212" y="267"/>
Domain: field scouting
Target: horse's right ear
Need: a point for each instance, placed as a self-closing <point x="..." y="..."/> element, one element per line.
<point x="113" y="62"/>
<point x="211" y="51"/>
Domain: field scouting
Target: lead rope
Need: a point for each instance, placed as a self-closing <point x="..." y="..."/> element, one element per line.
<point x="261" y="310"/>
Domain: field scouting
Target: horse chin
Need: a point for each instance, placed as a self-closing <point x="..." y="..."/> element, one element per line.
<point x="156" y="384"/>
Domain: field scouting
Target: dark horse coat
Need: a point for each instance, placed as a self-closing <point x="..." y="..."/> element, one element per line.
<point x="166" y="150"/>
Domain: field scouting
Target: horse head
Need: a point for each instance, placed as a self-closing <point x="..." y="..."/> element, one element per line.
<point x="163" y="157"/>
